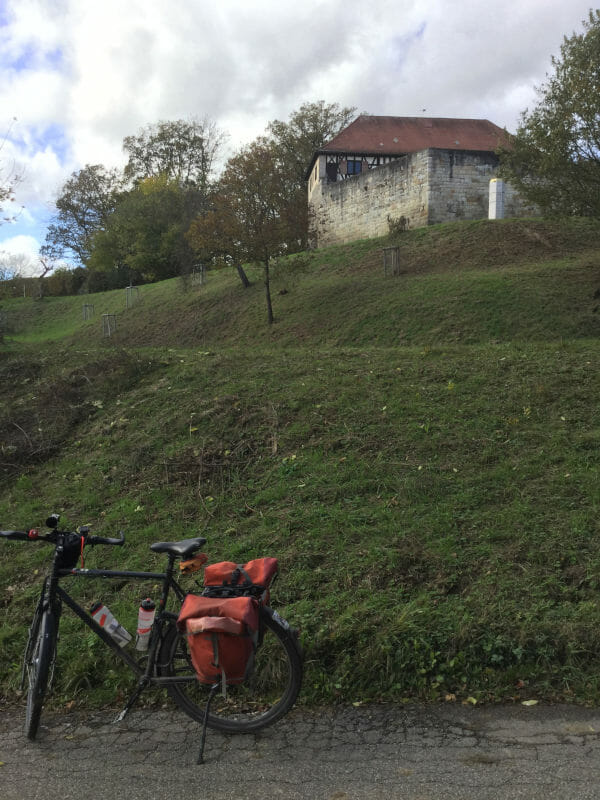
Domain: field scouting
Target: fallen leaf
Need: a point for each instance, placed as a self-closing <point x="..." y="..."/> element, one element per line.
<point x="529" y="703"/>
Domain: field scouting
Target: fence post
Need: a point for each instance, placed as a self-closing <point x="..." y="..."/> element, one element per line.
<point x="391" y="261"/>
<point x="132" y="296"/>
<point x="109" y="324"/>
<point x="199" y="275"/>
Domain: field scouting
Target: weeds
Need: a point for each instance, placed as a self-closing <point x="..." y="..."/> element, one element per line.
<point x="434" y="506"/>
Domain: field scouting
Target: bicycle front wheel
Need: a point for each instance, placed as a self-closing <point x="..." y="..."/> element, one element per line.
<point x="262" y="699"/>
<point x="38" y="661"/>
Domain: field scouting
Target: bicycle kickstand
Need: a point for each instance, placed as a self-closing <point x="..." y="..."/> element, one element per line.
<point x="132" y="700"/>
<point x="211" y="694"/>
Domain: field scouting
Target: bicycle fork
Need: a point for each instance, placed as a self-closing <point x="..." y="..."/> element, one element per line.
<point x="32" y="635"/>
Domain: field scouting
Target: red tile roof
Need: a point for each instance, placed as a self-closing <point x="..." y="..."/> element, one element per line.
<point x="368" y="135"/>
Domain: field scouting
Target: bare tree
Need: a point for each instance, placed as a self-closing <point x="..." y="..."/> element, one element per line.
<point x="9" y="179"/>
<point x="182" y="150"/>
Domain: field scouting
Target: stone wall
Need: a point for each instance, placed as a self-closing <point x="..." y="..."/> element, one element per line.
<point x="425" y="188"/>
<point x="358" y="207"/>
<point x="459" y="184"/>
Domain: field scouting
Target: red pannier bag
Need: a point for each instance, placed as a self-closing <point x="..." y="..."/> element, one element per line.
<point x="259" y="573"/>
<point x="222" y="635"/>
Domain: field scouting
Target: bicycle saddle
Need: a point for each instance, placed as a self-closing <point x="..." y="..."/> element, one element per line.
<point x="181" y="549"/>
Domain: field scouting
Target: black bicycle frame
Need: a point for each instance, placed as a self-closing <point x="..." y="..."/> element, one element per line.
<point x="168" y="582"/>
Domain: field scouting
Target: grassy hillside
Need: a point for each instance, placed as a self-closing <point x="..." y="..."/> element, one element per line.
<point x="421" y="452"/>
<point x="470" y="283"/>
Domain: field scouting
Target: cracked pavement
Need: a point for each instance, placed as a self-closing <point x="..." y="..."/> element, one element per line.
<point x="409" y="752"/>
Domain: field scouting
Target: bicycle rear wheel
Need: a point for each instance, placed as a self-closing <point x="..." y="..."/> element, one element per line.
<point x="266" y="696"/>
<point x="39" y="658"/>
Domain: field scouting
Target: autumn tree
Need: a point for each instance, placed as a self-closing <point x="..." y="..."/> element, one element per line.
<point x="255" y="217"/>
<point x="214" y="236"/>
<point x="554" y="160"/>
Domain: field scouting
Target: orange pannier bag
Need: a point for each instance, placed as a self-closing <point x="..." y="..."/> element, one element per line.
<point x="222" y="635"/>
<point x="259" y="572"/>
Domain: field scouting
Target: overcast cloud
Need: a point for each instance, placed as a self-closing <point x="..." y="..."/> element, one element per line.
<point x="79" y="76"/>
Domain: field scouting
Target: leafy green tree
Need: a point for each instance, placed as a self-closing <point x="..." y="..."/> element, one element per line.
<point x="63" y="281"/>
<point x="83" y="208"/>
<point x="112" y="228"/>
<point x="554" y="160"/>
<point x="144" y="235"/>
<point x="255" y="216"/>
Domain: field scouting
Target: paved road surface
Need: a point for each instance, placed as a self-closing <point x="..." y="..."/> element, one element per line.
<point x="414" y="753"/>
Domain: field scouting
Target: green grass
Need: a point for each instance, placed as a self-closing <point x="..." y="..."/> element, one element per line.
<point x="420" y="452"/>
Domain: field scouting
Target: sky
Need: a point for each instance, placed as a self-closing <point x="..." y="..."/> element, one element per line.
<point x="77" y="76"/>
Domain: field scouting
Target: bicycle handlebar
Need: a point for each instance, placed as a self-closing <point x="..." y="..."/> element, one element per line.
<point x="106" y="540"/>
<point x="22" y="535"/>
<point x="34" y="535"/>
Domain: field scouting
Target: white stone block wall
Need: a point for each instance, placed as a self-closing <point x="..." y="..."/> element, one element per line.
<point x="425" y="188"/>
<point x="358" y="207"/>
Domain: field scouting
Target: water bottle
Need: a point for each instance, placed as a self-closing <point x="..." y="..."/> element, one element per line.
<point x="144" y="625"/>
<point x="106" y="620"/>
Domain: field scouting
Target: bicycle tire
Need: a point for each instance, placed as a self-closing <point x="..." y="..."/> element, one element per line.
<point x="261" y="700"/>
<point x="37" y="671"/>
<point x="32" y="636"/>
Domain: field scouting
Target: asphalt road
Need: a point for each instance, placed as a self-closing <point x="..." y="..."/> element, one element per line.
<point x="452" y="752"/>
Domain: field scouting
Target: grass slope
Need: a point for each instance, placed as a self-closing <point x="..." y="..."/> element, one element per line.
<point x="421" y="453"/>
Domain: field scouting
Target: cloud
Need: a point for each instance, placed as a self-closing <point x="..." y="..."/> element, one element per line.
<point x="81" y="76"/>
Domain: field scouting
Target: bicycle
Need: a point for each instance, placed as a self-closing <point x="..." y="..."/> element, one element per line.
<point x="265" y="697"/>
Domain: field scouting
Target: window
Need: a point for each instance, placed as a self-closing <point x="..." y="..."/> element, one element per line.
<point x="353" y="167"/>
<point x="331" y="169"/>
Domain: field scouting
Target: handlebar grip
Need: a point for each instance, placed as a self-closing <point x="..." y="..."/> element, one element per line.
<point x="106" y="540"/>
<point x="20" y="535"/>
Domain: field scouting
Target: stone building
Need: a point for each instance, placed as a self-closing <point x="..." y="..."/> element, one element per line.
<point x="416" y="171"/>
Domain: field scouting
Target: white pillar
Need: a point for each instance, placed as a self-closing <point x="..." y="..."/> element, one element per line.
<point x="496" y="207"/>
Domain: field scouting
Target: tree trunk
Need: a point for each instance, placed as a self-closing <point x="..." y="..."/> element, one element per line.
<point x="268" y="293"/>
<point x="243" y="276"/>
